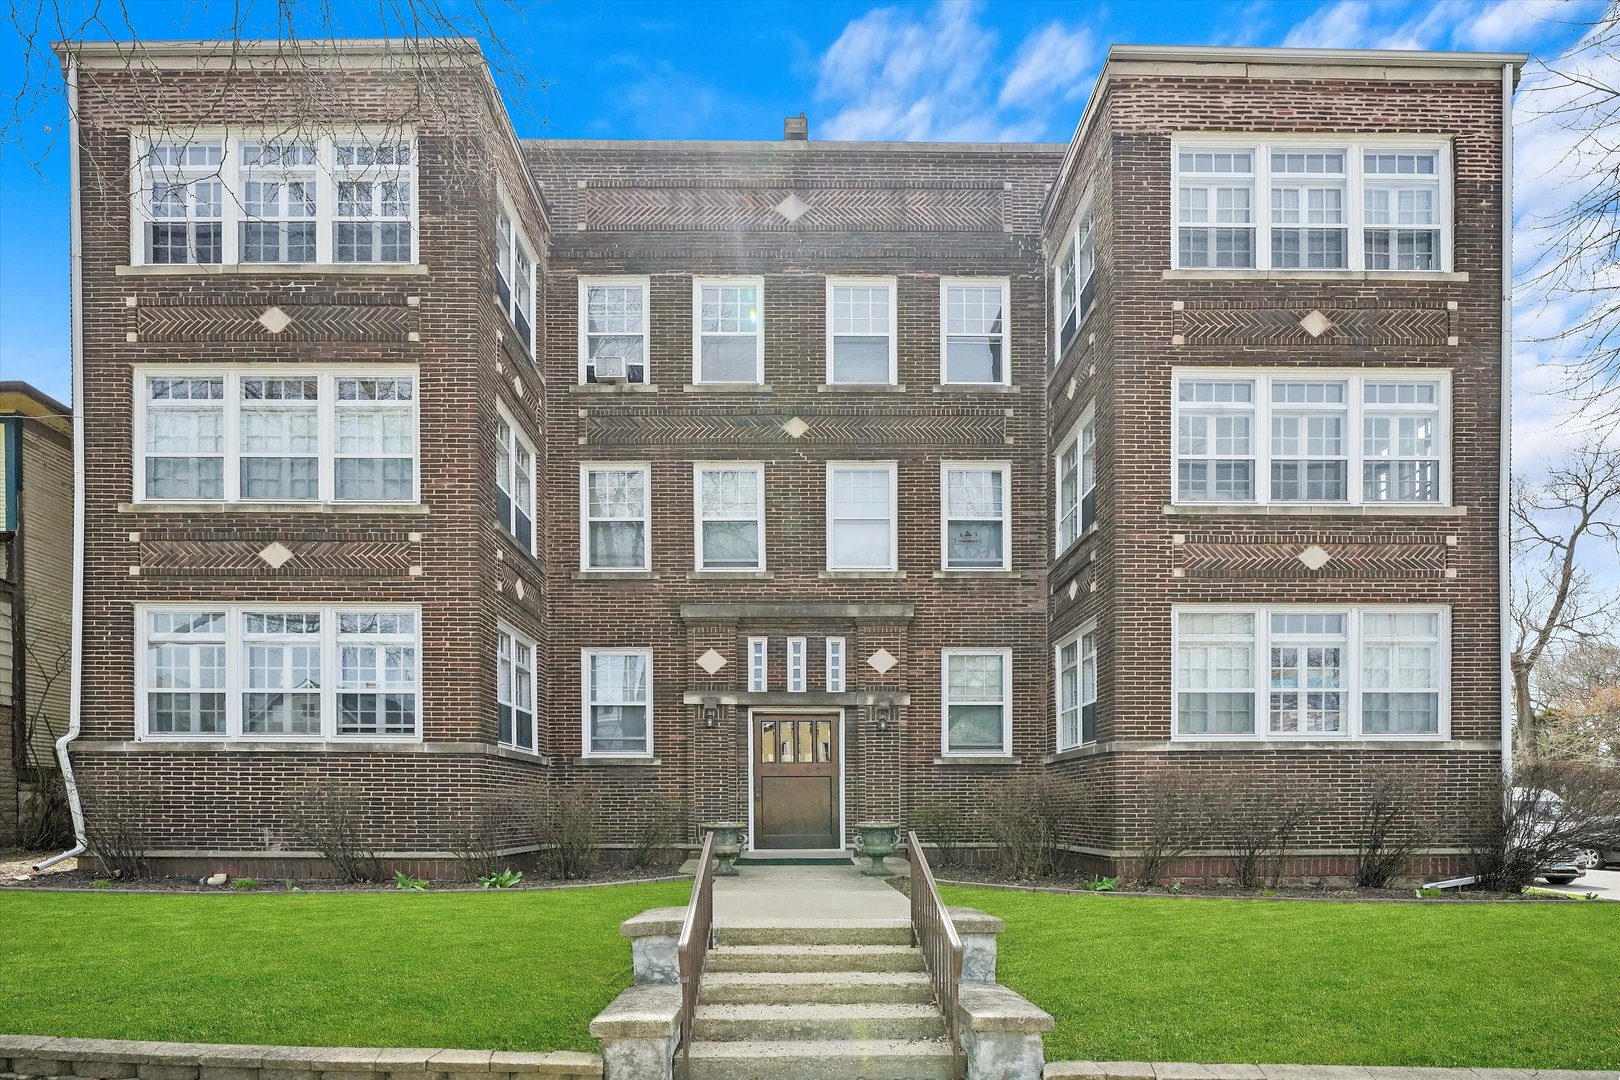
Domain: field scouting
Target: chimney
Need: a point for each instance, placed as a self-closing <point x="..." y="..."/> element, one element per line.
<point x="796" y="129"/>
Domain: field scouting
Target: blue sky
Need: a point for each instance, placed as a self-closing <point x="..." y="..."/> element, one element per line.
<point x="958" y="70"/>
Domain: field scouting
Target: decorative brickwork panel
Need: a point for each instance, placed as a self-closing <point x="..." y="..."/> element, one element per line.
<point x="252" y="558"/>
<point x="1342" y="323"/>
<point x="273" y="318"/>
<point x="1358" y="558"/>
<point x="874" y="209"/>
<point x="856" y="426"/>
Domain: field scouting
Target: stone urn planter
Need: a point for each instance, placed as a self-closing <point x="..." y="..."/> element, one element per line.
<point x="877" y="840"/>
<point x="727" y="845"/>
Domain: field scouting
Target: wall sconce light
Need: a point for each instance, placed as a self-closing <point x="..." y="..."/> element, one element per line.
<point x="711" y="717"/>
<point x="883" y="718"/>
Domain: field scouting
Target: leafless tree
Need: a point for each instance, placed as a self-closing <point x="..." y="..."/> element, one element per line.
<point x="1578" y="703"/>
<point x="1556" y="601"/>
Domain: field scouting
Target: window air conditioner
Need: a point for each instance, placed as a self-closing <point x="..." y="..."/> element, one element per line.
<point x="610" y="369"/>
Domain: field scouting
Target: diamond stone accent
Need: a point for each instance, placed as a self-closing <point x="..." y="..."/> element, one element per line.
<point x="1315" y="557"/>
<point x="276" y="554"/>
<point x="275" y="320"/>
<point x="1074" y="588"/>
<point x="795" y="428"/>
<point x="711" y="661"/>
<point x="1315" y="324"/>
<point x="882" y="661"/>
<point x="793" y="208"/>
<point x="517" y="589"/>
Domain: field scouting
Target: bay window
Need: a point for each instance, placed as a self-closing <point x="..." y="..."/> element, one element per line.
<point x="977" y="701"/>
<point x="973" y="331"/>
<point x="861" y="516"/>
<point x="728" y="343"/>
<point x="614" y="514"/>
<point x="861" y="331"/>
<point x="618" y="702"/>
<point x="975" y="517"/>
<point x="730" y="516"/>
<point x="514" y="690"/>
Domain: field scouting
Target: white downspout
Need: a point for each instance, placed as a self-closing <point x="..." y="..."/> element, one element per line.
<point x="76" y="274"/>
<point x="1505" y="472"/>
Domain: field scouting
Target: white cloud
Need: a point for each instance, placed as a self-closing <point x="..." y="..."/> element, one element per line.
<point x="1051" y="63"/>
<point x="1509" y="24"/>
<point x="1442" y="24"/>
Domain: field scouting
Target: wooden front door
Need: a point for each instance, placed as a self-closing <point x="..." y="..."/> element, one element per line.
<point x="796" y="797"/>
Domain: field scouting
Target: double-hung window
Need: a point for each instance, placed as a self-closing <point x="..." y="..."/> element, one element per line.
<point x="1350" y="438"/>
<point x="861" y="516"/>
<point x="278" y="671"/>
<point x="861" y="331"/>
<point x="615" y="509"/>
<point x="1327" y="672"/>
<point x="617" y="685"/>
<point x="613" y="330"/>
<point x="182" y="201"/>
<point x="514" y="275"/>
<point x="1076" y="287"/>
<point x="279" y="202"/>
<point x="976" y="517"/>
<point x="1075" y="465"/>
<point x="977" y="701"/>
<point x="514" y="689"/>
<point x="973" y="334"/>
<point x="728" y="335"/>
<point x="514" y="482"/>
<point x="1077" y="690"/>
<point x="305" y="434"/>
<point x="1312" y="203"/>
<point x="730" y="516"/>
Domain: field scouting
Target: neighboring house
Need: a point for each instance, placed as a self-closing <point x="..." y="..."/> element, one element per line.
<point x="795" y="482"/>
<point x="36" y="583"/>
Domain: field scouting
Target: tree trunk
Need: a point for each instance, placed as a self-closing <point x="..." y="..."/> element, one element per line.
<point x="1524" y="712"/>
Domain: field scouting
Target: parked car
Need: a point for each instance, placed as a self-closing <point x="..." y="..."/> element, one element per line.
<point x="1597" y="858"/>
<point x="1573" y="864"/>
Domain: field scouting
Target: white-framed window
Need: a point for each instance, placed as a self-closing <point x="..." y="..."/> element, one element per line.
<point x="286" y="198"/>
<point x="759" y="664"/>
<point x="976" y="516"/>
<point x="977" y="698"/>
<point x="613" y="329"/>
<point x="617" y="696"/>
<point x="1075" y="481"/>
<point x="1077" y="689"/>
<point x="729" y="515"/>
<point x="514" y="274"/>
<point x="1311" y="672"/>
<point x="615" y="510"/>
<point x="1312" y="203"/>
<point x="861" y="318"/>
<point x="835" y="665"/>
<point x="1311" y="437"/>
<point x="795" y="665"/>
<point x="278" y="671"/>
<point x="514" y="481"/>
<point x="861" y="514"/>
<point x="514" y="689"/>
<point x="310" y="433"/>
<point x="975" y="344"/>
<point x="728" y="330"/>
<point x="1075" y="288"/>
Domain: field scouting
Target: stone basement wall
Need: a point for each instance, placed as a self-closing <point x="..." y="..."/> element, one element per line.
<point x="41" y="1056"/>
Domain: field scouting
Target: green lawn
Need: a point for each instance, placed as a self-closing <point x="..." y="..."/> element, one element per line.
<point x="489" y="970"/>
<point x="1161" y="979"/>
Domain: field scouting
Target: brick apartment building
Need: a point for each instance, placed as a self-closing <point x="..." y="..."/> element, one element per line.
<point x="793" y="482"/>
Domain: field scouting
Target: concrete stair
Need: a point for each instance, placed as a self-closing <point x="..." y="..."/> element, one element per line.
<point x="838" y="999"/>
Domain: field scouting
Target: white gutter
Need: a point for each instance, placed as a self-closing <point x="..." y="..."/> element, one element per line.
<point x="76" y="274"/>
<point x="1505" y="471"/>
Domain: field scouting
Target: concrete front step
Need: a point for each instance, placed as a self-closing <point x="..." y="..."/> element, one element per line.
<point x="814" y="958"/>
<point x="813" y="932"/>
<point x="816" y="987"/>
<point x="821" y="1059"/>
<point x="748" y="1023"/>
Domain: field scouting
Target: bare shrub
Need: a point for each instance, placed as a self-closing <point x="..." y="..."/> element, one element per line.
<point x="1027" y="818"/>
<point x="1259" y="815"/>
<point x="1178" y="820"/>
<point x="566" y="831"/>
<point x="114" y="827"/>
<point x="44" y="820"/>
<point x="474" y="836"/>
<point x="327" y="816"/>
<point x="1552" y="810"/>
<point x="657" y="834"/>
<point x="1389" y="830"/>
<point x="942" y="823"/>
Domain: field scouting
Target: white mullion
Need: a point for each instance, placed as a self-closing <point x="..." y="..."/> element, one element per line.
<point x="329" y="673"/>
<point x="1352" y="673"/>
<point x="1262" y="679"/>
<point x="1354" y="454"/>
<point x="235" y="663"/>
<point x="325" y="198"/>
<point x="1261" y="208"/>
<point x="229" y="207"/>
<point x="231" y="466"/>
<point x="1354" y="207"/>
<point x="1262" y="438"/>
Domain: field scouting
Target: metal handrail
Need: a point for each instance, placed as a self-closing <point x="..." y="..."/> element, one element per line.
<point x="697" y="935"/>
<point x="935" y="934"/>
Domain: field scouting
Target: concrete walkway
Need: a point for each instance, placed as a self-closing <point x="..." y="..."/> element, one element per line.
<point x="781" y="895"/>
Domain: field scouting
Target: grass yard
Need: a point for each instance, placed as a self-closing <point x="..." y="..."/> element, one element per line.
<point x="488" y="970"/>
<point x="1159" y="979"/>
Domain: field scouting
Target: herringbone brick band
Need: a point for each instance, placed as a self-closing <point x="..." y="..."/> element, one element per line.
<point x="310" y="558"/>
<point x="831" y="209"/>
<point x="854" y="427"/>
<point x="237" y="319"/>
<point x="1229" y="324"/>
<point x="1358" y="560"/>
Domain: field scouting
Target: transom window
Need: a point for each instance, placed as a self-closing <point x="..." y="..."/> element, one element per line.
<point x="1077" y="690"/>
<point x="1293" y="204"/>
<point x="976" y="517"/>
<point x="1075" y="288"/>
<point x="514" y="482"/>
<point x="309" y="434"/>
<point x="614" y="515"/>
<point x="278" y="672"/>
<point x="286" y="199"/>
<point x="618" y="702"/>
<point x="514" y="690"/>
<point x="613" y="330"/>
<point x="977" y="701"/>
<point x="861" y="330"/>
<point x="728" y="330"/>
<point x="1352" y="438"/>
<point x="730" y="516"/>
<point x="514" y="276"/>
<point x="1327" y="672"/>
<point x="974" y="332"/>
<point x="1075" y="465"/>
<point x="861" y="516"/>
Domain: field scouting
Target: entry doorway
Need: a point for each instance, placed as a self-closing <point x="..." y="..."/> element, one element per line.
<point x="797" y="776"/>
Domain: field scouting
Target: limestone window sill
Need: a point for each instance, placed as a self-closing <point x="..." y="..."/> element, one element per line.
<point x="1416" y="277"/>
<point x="612" y="388"/>
<point x="862" y="575"/>
<point x="614" y="575"/>
<point x="861" y="388"/>
<point x="1311" y="510"/>
<point x="974" y="388"/>
<point x="619" y="762"/>
<point x="406" y="509"/>
<point x="976" y="759"/>
<point x="728" y="388"/>
<point x="996" y="575"/>
<point x="730" y="575"/>
<point x="275" y="270"/>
